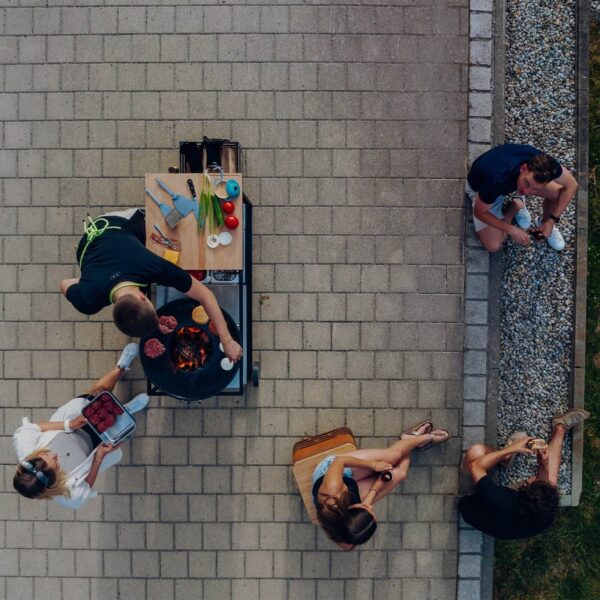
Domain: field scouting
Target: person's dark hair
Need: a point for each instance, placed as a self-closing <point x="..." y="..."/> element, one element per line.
<point x="344" y="524"/>
<point x="134" y="317"/>
<point x="29" y="485"/>
<point x="538" y="503"/>
<point x="544" y="168"/>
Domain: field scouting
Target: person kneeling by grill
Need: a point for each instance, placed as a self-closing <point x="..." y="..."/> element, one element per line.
<point x="528" y="508"/>
<point x="345" y="487"/>
<point x="116" y="266"/>
<point x="60" y="459"/>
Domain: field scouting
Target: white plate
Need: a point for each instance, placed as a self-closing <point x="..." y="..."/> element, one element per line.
<point x="225" y="238"/>
<point x="226" y="364"/>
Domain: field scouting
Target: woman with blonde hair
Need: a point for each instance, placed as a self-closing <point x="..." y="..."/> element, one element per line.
<point x="345" y="487"/>
<point x="60" y="459"/>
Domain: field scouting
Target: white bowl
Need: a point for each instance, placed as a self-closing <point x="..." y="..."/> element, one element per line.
<point x="225" y="238"/>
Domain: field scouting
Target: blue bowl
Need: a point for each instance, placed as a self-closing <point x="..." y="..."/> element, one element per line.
<point x="233" y="188"/>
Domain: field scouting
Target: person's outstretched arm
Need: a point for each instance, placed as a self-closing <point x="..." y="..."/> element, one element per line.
<point x="202" y="294"/>
<point x="569" y="189"/>
<point x="333" y="481"/>
<point x="101" y="452"/>
<point x="76" y="423"/>
<point x="481" y="466"/>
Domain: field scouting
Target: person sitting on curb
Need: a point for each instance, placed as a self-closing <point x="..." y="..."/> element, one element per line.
<point x="531" y="508"/>
<point x="60" y="459"/>
<point x="345" y="487"/>
<point x="527" y="170"/>
<point x="116" y="265"/>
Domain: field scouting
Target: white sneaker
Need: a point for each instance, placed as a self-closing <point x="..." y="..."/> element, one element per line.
<point x="523" y="218"/>
<point x="556" y="241"/>
<point x="128" y="355"/>
<point x="138" y="403"/>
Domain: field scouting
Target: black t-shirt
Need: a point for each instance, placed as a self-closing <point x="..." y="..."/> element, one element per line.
<point x="116" y="256"/>
<point x="350" y="484"/>
<point x="495" y="172"/>
<point x="493" y="510"/>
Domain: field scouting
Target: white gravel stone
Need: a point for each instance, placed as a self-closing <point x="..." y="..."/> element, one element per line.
<point x="536" y="325"/>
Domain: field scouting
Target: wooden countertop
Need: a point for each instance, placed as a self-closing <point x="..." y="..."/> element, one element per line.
<point x="195" y="253"/>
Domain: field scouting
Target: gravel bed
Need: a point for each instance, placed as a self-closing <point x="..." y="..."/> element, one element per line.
<point x="536" y="324"/>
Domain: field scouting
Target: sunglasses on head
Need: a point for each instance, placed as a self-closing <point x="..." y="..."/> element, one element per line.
<point x="31" y="468"/>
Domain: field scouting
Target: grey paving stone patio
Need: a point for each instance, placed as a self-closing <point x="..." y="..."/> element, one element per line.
<point x="353" y="119"/>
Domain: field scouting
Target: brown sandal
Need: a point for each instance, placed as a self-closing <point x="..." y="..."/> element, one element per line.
<point x="415" y="428"/>
<point x="434" y="442"/>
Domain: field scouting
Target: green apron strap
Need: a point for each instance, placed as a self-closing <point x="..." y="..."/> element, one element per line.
<point x="94" y="229"/>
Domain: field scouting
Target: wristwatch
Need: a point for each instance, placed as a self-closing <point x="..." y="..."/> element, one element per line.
<point x="555" y="218"/>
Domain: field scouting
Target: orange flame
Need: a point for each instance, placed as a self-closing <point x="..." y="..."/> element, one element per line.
<point x="191" y="348"/>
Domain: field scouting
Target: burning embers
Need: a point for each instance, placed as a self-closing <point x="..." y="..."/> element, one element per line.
<point x="190" y="348"/>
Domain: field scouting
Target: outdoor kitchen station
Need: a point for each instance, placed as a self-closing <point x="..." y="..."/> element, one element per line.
<point x="198" y="217"/>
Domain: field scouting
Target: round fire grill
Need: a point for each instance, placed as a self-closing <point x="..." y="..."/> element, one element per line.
<point x="189" y="382"/>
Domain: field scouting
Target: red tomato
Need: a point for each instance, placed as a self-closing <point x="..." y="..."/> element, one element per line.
<point x="231" y="222"/>
<point x="199" y="275"/>
<point x="228" y="207"/>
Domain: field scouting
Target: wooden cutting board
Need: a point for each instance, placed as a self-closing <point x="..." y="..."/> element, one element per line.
<point x="195" y="254"/>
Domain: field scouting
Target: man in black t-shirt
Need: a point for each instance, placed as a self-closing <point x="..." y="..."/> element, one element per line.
<point x="524" y="169"/>
<point x="508" y="513"/>
<point x="116" y="267"/>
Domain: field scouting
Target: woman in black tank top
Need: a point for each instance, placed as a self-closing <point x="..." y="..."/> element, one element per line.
<point x="345" y="503"/>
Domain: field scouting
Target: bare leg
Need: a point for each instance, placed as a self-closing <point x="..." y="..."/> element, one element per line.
<point x="492" y="238"/>
<point x="393" y="455"/>
<point x="475" y="452"/>
<point x="554" y="455"/>
<point x="550" y="195"/>
<point x="107" y="382"/>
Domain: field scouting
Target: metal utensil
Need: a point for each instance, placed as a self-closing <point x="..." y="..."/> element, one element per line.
<point x="171" y="216"/>
<point x="172" y="244"/>
<point x="183" y="205"/>
<point x="164" y="237"/>
<point x="192" y="189"/>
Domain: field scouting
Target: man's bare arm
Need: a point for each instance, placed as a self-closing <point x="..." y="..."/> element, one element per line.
<point x="569" y="189"/>
<point x="203" y="295"/>
<point x="481" y="466"/>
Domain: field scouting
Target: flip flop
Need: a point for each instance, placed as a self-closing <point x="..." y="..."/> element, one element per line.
<point x="434" y="441"/>
<point x="415" y="428"/>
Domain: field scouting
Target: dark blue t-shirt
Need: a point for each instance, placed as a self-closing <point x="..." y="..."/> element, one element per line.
<point x="493" y="509"/>
<point x="119" y="255"/>
<point x="495" y="172"/>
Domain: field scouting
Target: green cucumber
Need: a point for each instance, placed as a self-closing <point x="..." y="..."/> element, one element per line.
<point x="218" y="211"/>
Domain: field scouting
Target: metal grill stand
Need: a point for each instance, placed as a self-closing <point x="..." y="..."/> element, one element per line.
<point x="234" y="296"/>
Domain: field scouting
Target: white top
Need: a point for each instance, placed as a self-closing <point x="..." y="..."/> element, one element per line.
<point x="72" y="448"/>
<point x="29" y="437"/>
